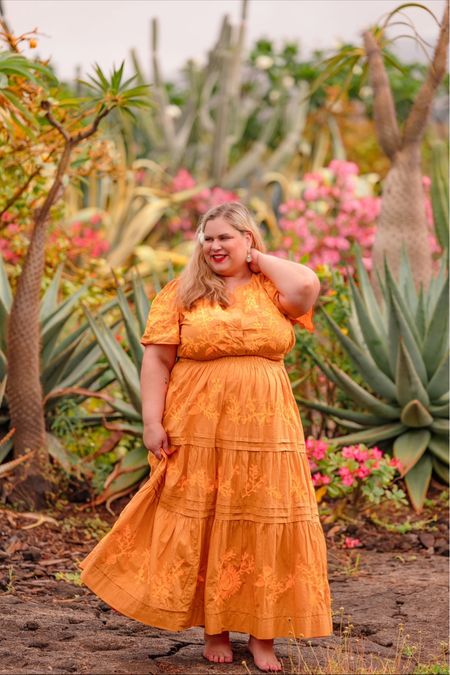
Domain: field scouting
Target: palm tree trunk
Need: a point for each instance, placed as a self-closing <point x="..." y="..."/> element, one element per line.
<point x="402" y="221"/>
<point x="24" y="391"/>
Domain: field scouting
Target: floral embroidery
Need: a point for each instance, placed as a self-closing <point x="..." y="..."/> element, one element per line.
<point x="163" y="582"/>
<point x="273" y="586"/>
<point x="230" y="575"/>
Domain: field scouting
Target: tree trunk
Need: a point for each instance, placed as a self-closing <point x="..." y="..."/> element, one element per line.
<point x="34" y="479"/>
<point x="402" y="221"/>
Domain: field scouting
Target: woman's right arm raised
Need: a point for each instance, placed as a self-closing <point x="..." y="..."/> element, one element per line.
<point x="157" y="363"/>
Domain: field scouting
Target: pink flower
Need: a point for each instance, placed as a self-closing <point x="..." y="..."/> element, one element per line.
<point x="396" y="463"/>
<point x="320" y="479"/>
<point x="351" y="542"/>
<point x="182" y="181"/>
<point x="376" y="453"/>
<point x="346" y="476"/>
<point x="363" y="471"/>
<point x="320" y="450"/>
<point x="95" y="219"/>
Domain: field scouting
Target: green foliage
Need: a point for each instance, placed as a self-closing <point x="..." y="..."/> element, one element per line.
<point x="115" y="92"/>
<point x="439" y="192"/>
<point x="126" y="366"/>
<point x="307" y="380"/>
<point x="400" y="349"/>
<point x="70" y="366"/>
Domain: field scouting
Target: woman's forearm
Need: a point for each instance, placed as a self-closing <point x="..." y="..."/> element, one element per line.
<point x="297" y="283"/>
<point x="155" y="375"/>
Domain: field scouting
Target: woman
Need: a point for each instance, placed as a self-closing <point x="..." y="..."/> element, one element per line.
<point x="226" y="532"/>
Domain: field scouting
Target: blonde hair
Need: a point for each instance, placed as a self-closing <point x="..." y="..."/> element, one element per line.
<point x="198" y="280"/>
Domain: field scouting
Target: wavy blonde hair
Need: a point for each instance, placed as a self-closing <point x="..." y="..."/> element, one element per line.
<point x="198" y="280"/>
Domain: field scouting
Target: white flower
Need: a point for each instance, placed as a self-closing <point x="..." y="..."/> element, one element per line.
<point x="173" y="111"/>
<point x="288" y="81"/>
<point x="366" y="92"/>
<point x="264" y="62"/>
<point x="357" y="70"/>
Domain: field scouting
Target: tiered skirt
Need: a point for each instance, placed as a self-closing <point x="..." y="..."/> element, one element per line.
<point x="225" y="534"/>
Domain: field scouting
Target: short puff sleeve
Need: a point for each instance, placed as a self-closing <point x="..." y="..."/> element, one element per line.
<point x="163" y="322"/>
<point x="304" y="321"/>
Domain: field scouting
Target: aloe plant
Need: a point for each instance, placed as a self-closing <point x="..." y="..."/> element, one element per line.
<point x="439" y="192"/>
<point x="400" y="348"/>
<point x="126" y="366"/>
<point x="69" y="357"/>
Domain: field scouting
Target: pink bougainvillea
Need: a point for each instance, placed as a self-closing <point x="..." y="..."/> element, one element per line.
<point x="336" y="208"/>
<point x="185" y="218"/>
<point x="329" y="215"/>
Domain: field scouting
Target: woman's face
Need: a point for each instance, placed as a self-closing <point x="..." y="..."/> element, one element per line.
<point x="225" y="248"/>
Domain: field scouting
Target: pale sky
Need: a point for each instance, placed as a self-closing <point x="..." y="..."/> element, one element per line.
<point x="86" y="31"/>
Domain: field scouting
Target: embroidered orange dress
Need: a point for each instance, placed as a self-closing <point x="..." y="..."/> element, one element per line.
<point x="225" y="533"/>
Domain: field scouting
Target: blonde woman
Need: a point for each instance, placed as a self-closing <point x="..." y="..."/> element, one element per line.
<point x="226" y="533"/>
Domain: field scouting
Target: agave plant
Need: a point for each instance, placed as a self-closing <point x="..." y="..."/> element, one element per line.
<point x="126" y="366"/>
<point x="69" y="356"/>
<point x="400" y="348"/>
<point x="439" y="192"/>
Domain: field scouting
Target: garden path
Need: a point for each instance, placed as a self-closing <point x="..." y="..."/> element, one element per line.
<point x="55" y="626"/>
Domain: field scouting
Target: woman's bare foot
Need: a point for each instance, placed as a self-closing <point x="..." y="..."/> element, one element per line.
<point x="217" y="648"/>
<point x="263" y="655"/>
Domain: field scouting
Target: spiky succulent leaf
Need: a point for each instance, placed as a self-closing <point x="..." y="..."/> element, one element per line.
<point x="440" y="469"/>
<point x="417" y="481"/>
<point x="420" y="317"/>
<point x="132" y="329"/>
<point x="372" y="338"/>
<point x="363" y="397"/>
<point x="374" y="435"/>
<point x="440" y="410"/>
<point x="119" y="361"/>
<point x="414" y="414"/>
<point x="436" y="339"/>
<point x="351" y="415"/>
<point x="141" y="302"/>
<point x="439" y="448"/>
<point x="404" y="313"/>
<point x="410" y="343"/>
<point x="410" y="446"/>
<point x="376" y="379"/>
<point x="49" y="302"/>
<point x="406" y="283"/>
<point x="438" y="386"/>
<point x="408" y="383"/>
<point x="440" y="427"/>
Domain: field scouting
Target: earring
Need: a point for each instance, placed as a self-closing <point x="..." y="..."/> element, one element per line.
<point x="249" y="256"/>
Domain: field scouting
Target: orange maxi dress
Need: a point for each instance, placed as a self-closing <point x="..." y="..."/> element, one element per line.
<point x="225" y="534"/>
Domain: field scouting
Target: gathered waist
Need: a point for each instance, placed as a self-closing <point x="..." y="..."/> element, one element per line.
<point x="239" y="358"/>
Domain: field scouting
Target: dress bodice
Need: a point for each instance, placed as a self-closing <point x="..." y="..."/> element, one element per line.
<point x="253" y="325"/>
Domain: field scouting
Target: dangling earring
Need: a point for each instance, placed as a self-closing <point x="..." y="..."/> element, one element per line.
<point x="249" y="256"/>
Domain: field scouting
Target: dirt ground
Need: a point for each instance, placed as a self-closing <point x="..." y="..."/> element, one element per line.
<point x="390" y="604"/>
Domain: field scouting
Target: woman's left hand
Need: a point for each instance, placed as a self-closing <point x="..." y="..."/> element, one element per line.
<point x="254" y="266"/>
